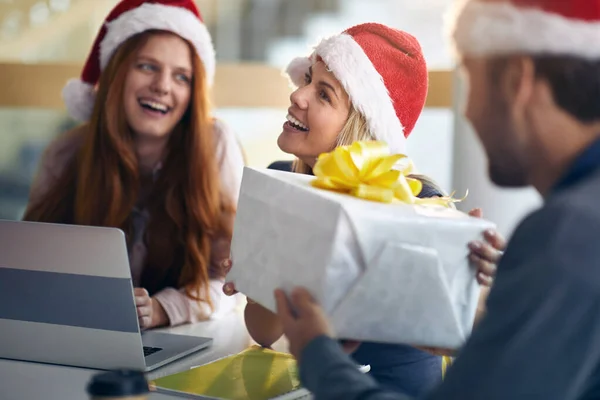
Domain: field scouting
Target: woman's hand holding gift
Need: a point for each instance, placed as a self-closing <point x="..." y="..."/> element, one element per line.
<point x="485" y="255"/>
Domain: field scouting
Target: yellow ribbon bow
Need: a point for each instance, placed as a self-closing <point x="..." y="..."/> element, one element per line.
<point x="366" y="170"/>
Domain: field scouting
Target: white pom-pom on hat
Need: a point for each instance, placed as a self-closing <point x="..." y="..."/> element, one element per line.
<point x="79" y="97"/>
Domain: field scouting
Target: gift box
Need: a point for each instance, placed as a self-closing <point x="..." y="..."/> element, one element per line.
<point x="384" y="271"/>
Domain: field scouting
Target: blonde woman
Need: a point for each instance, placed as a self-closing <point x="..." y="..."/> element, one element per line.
<point x="367" y="83"/>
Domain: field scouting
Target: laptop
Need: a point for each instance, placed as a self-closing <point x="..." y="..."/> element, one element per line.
<point x="66" y="297"/>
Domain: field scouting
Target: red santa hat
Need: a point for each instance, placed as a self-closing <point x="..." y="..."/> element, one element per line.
<point x="384" y="73"/>
<point x="552" y="27"/>
<point x="129" y="18"/>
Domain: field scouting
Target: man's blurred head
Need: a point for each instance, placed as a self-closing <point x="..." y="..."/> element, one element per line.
<point x="526" y="61"/>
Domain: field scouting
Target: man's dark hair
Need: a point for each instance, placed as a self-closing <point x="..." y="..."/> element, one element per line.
<point x="575" y="83"/>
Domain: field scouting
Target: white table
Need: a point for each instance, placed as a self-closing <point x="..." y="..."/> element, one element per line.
<point x="32" y="381"/>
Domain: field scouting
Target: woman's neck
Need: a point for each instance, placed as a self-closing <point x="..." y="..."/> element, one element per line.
<point x="150" y="152"/>
<point x="310" y="161"/>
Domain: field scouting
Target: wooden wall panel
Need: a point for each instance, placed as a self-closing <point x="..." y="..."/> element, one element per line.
<point x="243" y="85"/>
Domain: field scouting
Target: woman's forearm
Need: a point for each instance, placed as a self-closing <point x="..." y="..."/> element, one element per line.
<point x="264" y="326"/>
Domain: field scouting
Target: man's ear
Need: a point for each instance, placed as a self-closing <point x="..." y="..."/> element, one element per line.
<point x="518" y="82"/>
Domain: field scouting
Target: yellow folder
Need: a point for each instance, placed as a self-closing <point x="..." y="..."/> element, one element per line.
<point x="254" y="374"/>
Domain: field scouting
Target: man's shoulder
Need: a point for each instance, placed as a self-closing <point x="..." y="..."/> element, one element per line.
<point x="582" y="196"/>
<point x="561" y="234"/>
<point x="558" y="219"/>
<point x="578" y="203"/>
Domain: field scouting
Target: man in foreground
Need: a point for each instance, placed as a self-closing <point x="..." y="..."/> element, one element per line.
<point x="533" y="68"/>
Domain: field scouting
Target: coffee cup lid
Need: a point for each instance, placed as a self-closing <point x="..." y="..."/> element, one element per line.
<point x="118" y="383"/>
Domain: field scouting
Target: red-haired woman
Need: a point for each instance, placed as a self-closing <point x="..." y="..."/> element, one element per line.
<point x="150" y="159"/>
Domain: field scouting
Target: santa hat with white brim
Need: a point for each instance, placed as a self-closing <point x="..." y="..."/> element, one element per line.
<point x="127" y="19"/>
<point x="382" y="69"/>
<point x="483" y="28"/>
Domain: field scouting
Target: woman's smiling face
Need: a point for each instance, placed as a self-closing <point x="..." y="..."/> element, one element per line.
<point x="158" y="86"/>
<point x="318" y="112"/>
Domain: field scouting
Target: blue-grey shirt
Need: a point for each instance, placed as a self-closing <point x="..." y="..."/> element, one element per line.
<point x="541" y="336"/>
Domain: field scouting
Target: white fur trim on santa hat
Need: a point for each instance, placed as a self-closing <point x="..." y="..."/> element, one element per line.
<point x="79" y="97"/>
<point x="150" y="16"/>
<point x="297" y="69"/>
<point x="485" y="29"/>
<point x="365" y="86"/>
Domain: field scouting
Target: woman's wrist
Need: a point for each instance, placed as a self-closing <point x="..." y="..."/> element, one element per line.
<point x="159" y="315"/>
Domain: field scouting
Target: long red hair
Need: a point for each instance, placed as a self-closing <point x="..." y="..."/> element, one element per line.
<point x="187" y="208"/>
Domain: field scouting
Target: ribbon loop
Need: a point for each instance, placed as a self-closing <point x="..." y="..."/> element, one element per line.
<point x="367" y="170"/>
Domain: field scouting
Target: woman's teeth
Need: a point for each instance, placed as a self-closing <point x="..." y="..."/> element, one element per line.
<point x="154" y="106"/>
<point x="296" y="124"/>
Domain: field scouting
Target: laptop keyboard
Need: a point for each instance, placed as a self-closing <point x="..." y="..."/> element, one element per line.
<point x="150" y="350"/>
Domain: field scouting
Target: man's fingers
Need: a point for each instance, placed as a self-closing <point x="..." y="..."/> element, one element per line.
<point x="284" y="310"/>
<point x="139" y="292"/>
<point x="302" y="301"/>
<point x="476" y="212"/>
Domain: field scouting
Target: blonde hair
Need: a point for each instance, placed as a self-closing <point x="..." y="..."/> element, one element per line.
<point x="356" y="129"/>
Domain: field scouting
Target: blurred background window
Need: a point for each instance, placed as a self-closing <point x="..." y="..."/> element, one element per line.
<point x="44" y="42"/>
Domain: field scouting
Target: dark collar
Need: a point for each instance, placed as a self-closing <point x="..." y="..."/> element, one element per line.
<point x="586" y="163"/>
